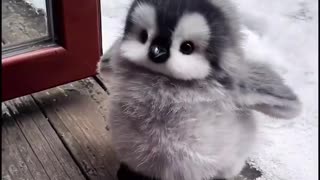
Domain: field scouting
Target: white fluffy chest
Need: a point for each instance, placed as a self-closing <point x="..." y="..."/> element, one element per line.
<point x="197" y="142"/>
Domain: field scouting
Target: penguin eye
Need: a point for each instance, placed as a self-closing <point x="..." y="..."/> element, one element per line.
<point x="143" y="37"/>
<point x="187" y="47"/>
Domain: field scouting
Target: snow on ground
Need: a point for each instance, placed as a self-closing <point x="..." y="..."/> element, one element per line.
<point x="285" y="34"/>
<point x="38" y="4"/>
<point x="113" y="15"/>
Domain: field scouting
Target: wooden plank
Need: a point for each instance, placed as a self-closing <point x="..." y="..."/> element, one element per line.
<point x="78" y="113"/>
<point x="44" y="142"/>
<point x="16" y="150"/>
<point x="15" y="165"/>
<point x="21" y="22"/>
<point x="5" y="175"/>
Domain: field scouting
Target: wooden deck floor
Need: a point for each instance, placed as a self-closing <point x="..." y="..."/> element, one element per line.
<point x="61" y="133"/>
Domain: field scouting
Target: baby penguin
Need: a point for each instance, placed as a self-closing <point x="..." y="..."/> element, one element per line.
<point x="183" y="94"/>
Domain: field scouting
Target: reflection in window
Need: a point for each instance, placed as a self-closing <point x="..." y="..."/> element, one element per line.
<point x="24" y="22"/>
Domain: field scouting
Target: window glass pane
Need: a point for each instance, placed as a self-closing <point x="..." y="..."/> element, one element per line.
<point x="24" y="22"/>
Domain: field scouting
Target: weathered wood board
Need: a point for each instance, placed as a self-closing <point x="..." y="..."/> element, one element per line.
<point x="77" y="112"/>
<point x="30" y="147"/>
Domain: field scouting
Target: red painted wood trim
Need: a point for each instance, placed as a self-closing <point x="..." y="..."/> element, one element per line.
<point x="75" y="59"/>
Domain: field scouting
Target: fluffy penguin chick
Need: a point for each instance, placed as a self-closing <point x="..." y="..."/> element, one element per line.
<point x="182" y="93"/>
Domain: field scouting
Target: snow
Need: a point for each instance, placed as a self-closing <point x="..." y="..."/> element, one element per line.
<point x="113" y="15"/>
<point x="284" y="34"/>
<point x="38" y="4"/>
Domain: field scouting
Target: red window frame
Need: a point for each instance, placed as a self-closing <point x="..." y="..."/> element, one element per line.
<point x="75" y="58"/>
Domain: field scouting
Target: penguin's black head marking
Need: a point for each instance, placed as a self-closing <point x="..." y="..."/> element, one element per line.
<point x="179" y="38"/>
